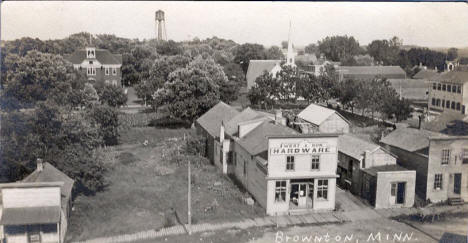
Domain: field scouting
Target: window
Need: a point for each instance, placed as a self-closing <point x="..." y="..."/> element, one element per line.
<point x="439" y="86"/>
<point x="394" y="189"/>
<point x="458" y="106"/>
<point x="443" y="103"/>
<point x="114" y="82"/>
<point x="280" y="191"/>
<point x="91" y="71"/>
<point x="459" y="89"/>
<point x="447" y="104"/>
<point x="438" y="102"/>
<point x="438" y="181"/>
<point x="315" y="162"/>
<point x="434" y="86"/>
<point x="106" y="71"/>
<point x="49" y="228"/>
<point x="449" y="87"/>
<point x="454" y="89"/>
<point x="433" y="101"/>
<point x="444" y="87"/>
<point x="290" y="163"/>
<point x="465" y="156"/>
<point x="463" y="109"/>
<point x="453" y="105"/>
<point x="322" y="189"/>
<point x="245" y="168"/>
<point x="445" y="156"/>
<point x="114" y="71"/>
<point x="91" y="62"/>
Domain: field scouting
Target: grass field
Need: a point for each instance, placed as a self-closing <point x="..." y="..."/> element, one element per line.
<point x="148" y="189"/>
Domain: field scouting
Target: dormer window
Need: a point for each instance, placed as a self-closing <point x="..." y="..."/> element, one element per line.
<point x="114" y="71"/>
<point x="91" y="62"/>
<point x="106" y="70"/>
<point x="90" y="53"/>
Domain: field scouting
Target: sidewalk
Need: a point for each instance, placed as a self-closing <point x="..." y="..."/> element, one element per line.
<point x="271" y="221"/>
<point x="280" y="221"/>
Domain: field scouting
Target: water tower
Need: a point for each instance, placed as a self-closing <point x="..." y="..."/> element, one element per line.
<point x="160" y="25"/>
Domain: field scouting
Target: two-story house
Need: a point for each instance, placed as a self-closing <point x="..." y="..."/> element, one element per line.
<point x="440" y="161"/>
<point x="99" y="65"/>
<point x="449" y="92"/>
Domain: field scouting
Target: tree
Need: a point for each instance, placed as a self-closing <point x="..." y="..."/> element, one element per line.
<point x="348" y="93"/>
<point x="234" y="73"/>
<point x="188" y="94"/>
<point x="385" y="51"/>
<point x="336" y="48"/>
<point x="246" y="52"/>
<point x="34" y="77"/>
<point x="265" y="91"/>
<point x="310" y="89"/>
<point x="106" y="119"/>
<point x="311" y="49"/>
<point x="167" y="48"/>
<point x="274" y="53"/>
<point x="111" y="95"/>
<point x="452" y="54"/>
<point x="288" y="78"/>
<point x="228" y="90"/>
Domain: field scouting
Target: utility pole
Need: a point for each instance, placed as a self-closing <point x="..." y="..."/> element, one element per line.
<point x="189" y="198"/>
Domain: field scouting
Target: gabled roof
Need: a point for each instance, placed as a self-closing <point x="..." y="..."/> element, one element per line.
<point x="425" y="74"/>
<point x="102" y="55"/>
<point x="30" y="215"/>
<point x="257" y="67"/>
<point x="371" y="71"/>
<point x="412" y="89"/>
<point x="246" y="115"/>
<point x="410" y="139"/>
<point x="51" y="174"/>
<point x="355" y="147"/>
<point x="256" y="141"/>
<point x="460" y="77"/>
<point x="211" y="120"/>
<point x="317" y="114"/>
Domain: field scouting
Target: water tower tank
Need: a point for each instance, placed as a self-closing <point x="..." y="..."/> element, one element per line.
<point x="159" y="15"/>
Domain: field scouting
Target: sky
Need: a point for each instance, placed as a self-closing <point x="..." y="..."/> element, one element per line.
<point x="267" y="23"/>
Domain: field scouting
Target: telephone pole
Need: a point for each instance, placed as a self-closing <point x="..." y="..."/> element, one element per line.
<point x="189" y="211"/>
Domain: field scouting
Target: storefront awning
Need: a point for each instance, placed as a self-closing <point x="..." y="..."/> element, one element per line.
<point x="30" y="215"/>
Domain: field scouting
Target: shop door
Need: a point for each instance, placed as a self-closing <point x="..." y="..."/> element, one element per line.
<point x="34" y="234"/>
<point x="401" y="193"/>
<point x="457" y="183"/>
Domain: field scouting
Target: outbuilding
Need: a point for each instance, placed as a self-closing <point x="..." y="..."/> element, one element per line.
<point x="318" y="119"/>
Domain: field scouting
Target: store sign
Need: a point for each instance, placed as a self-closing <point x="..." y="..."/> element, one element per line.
<point x="301" y="148"/>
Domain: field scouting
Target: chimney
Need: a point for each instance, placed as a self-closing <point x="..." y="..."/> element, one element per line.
<point x="40" y="165"/>
<point x="419" y="121"/>
<point x="367" y="160"/>
<point x="221" y="133"/>
<point x="278" y="116"/>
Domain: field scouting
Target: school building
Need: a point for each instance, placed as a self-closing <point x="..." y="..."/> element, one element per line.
<point x="371" y="172"/>
<point x="440" y="161"/>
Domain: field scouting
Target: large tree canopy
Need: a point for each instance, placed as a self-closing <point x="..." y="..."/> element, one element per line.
<point x="336" y="48"/>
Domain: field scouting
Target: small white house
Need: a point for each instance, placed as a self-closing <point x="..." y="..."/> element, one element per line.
<point x="318" y="119"/>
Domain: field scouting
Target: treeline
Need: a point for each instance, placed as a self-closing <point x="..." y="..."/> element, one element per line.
<point x="289" y="85"/>
<point x="49" y="111"/>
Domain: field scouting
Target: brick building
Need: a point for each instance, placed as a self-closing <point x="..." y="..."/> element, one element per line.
<point x="99" y="65"/>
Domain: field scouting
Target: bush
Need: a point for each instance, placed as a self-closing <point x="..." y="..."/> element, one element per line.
<point x="169" y="122"/>
<point x="195" y="145"/>
<point x="137" y="120"/>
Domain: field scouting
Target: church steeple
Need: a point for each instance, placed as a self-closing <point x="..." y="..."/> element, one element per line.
<point x="290" y="56"/>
